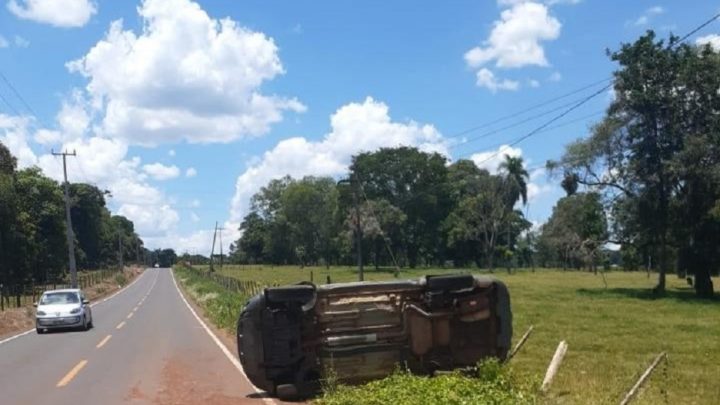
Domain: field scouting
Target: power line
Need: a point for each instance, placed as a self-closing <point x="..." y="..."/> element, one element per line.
<point x="17" y="94"/>
<point x="513" y="125"/>
<point x="585" y="100"/>
<point x="528" y="109"/>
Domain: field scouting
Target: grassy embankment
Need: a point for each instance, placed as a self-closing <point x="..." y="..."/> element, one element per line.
<point x="613" y="333"/>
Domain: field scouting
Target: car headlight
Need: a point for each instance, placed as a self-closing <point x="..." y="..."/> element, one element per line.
<point x="41" y="313"/>
<point x="75" y="310"/>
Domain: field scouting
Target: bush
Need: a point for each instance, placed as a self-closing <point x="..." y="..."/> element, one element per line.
<point x="120" y="279"/>
<point x="492" y="384"/>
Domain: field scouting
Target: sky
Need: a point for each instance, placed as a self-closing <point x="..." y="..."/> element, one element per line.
<point x="184" y="109"/>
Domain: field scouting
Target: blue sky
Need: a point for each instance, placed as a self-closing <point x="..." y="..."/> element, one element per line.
<point x="244" y="91"/>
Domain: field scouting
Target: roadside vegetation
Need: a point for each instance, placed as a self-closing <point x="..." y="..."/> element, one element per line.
<point x="491" y="383"/>
<point x="221" y="306"/>
<point x="613" y="331"/>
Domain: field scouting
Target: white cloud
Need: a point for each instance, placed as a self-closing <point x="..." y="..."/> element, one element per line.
<point x="159" y="171"/>
<point x="486" y="78"/>
<point x="4" y="42"/>
<point x="555" y="77"/>
<point x="355" y="127"/>
<point x="194" y="217"/>
<point x="195" y="203"/>
<point x="185" y="76"/>
<point x="712" y="39"/>
<point x="190" y="172"/>
<point x="535" y="190"/>
<point x="533" y="83"/>
<point x="515" y="40"/>
<point x="171" y="152"/>
<point x="490" y="160"/>
<point x="21" y="42"/>
<point x="651" y="12"/>
<point x="59" y="13"/>
<point x="14" y="135"/>
<point x="47" y="137"/>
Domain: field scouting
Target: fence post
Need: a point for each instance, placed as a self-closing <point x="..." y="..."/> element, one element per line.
<point x="2" y="299"/>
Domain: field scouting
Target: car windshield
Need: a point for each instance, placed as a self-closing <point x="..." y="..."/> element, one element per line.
<point x="60" y="298"/>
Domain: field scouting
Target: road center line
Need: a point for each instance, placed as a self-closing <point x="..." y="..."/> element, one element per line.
<point x="102" y="342"/>
<point x="120" y="325"/>
<point x="69" y="376"/>
<point x="130" y="315"/>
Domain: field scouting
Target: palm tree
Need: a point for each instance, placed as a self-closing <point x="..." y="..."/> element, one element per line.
<point x="516" y="179"/>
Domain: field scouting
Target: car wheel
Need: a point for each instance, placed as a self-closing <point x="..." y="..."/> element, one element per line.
<point x="91" y="324"/>
<point x="85" y="325"/>
<point x="39" y="331"/>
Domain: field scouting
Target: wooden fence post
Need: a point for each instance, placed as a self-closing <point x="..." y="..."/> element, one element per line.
<point x="554" y="365"/>
<point x="520" y="343"/>
<point x="629" y="396"/>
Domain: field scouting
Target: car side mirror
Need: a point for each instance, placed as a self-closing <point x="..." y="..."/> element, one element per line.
<point x="85" y="302"/>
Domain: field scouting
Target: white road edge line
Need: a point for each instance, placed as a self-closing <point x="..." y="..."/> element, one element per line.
<point x="220" y="344"/>
<point x="92" y="305"/>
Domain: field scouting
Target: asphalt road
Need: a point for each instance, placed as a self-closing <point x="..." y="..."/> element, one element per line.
<point x="147" y="347"/>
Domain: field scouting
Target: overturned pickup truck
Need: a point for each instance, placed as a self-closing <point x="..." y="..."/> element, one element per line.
<point x="289" y="337"/>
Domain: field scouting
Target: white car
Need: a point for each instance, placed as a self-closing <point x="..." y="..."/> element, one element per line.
<point x="63" y="309"/>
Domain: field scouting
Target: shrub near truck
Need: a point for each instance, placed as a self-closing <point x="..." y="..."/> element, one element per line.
<point x="290" y="337"/>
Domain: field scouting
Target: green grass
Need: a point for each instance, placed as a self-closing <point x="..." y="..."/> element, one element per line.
<point x="221" y="306"/>
<point x="613" y="333"/>
<point x="494" y="384"/>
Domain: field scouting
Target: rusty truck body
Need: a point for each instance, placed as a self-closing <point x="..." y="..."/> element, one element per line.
<point x="289" y="337"/>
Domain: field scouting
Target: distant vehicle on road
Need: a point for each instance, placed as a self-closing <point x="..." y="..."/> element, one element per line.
<point x="68" y="308"/>
<point x="157" y="265"/>
<point x="288" y="337"/>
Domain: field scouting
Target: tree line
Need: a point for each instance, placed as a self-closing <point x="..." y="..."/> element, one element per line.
<point x="646" y="181"/>
<point x="405" y="206"/>
<point x="33" y="243"/>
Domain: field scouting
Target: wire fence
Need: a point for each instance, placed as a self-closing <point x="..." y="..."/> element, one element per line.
<point x="18" y="296"/>
<point x="249" y="288"/>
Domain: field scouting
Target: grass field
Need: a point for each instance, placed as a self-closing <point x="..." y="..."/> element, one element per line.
<point x="613" y="333"/>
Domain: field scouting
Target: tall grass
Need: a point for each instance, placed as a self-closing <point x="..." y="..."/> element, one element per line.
<point x="221" y="306"/>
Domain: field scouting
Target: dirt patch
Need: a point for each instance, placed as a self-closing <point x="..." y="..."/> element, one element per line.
<point x="18" y="320"/>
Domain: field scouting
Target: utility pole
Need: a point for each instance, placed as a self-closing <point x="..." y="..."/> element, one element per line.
<point x="212" y="250"/>
<point x="221" y="249"/>
<point x="120" y="251"/>
<point x="68" y="220"/>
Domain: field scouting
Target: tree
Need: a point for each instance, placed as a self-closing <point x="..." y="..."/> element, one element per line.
<point x="89" y="219"/>
<point x="516" y="179"/>
<point x="576" y="232"/>
<point x="416" y="183"/>
<point x="654" y="154"/>
<point x="42" y="202"/>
